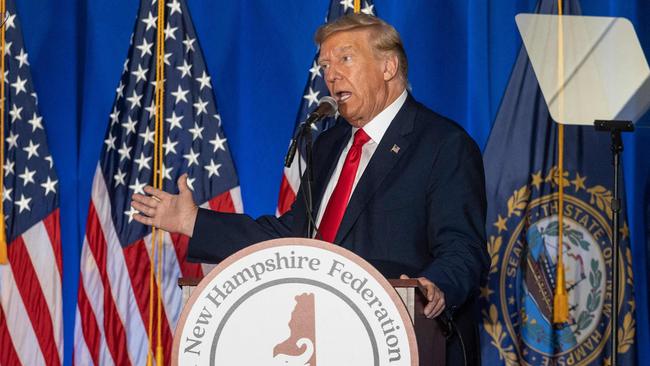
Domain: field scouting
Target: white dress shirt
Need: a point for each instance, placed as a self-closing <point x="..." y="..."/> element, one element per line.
<point x="375" y="129"/>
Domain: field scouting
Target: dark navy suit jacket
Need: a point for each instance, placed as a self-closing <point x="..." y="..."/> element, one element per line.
<point x="418" y="209"/>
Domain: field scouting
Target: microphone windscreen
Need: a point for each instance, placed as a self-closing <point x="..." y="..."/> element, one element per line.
<point x="328" y="106"/>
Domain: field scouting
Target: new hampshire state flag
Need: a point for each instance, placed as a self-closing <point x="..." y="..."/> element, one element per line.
<point x="522" y="224"/>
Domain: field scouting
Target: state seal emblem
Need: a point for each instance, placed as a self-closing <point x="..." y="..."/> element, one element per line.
<point x="522" y="279"/>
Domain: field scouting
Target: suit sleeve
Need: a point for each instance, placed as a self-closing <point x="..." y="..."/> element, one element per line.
<point x="456" y="207"/>
<point x="217" y="235"/>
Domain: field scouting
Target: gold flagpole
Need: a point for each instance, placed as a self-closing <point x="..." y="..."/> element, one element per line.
<point x="158" y="176"/>
<point x="156" y="234"/>
<point x="560" y="298"/>
<point x="357" y="6"/>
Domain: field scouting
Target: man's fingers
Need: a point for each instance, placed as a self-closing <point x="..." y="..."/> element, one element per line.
<point x="150" y="201"/>
<point x="436" y="305"/>
<point x="156" y="193"/>
<point x="428" y="310"/>
<point x="404" y="277"/>
<point x="431" y="289"/>
<point x="437" y="295"/>
<point x="434" y="308"/>
<point x="143" y="208"/>
<point x="151" y="190"/>
<point x="138" y="197"/>
<point x="143" y="219"/>
<point x="438" y="308"/>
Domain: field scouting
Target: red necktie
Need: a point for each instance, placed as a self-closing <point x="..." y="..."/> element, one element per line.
<point x="333" y="215"/>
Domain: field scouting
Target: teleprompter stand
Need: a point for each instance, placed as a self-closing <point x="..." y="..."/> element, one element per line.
<point x="615" y="128"/>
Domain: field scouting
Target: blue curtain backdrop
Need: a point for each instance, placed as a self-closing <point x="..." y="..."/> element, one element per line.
<point x="258" y="52"/>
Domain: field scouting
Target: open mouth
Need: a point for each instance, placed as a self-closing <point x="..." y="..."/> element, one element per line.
<point x="342" y="96"/>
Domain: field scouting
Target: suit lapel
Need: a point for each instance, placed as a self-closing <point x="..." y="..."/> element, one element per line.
<point x="394" y="144"/>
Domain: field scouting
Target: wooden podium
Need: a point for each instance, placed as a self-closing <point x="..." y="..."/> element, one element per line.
<point x="430" y="338"/>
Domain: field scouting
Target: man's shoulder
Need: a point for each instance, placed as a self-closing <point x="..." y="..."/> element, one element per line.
<point x="414" y="117"/>
<point x="432" y="125"/>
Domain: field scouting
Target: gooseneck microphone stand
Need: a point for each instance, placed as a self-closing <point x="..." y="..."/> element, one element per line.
<point x="304" y="137"/>
<point x="308" y="178"/>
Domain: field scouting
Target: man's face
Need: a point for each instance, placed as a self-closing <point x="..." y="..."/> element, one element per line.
<point x="356" y="76"/>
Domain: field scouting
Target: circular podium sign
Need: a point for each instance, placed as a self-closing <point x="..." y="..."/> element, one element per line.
<point x="294" y="301"/>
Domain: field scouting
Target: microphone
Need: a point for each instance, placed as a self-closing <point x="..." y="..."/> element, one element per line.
<point x="327" y="107"/>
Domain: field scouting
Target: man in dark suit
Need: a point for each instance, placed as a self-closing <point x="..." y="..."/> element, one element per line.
<point x="397" y="184"/>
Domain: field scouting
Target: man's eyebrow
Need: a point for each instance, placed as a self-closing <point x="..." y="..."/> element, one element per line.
<point x="338" y="49"/>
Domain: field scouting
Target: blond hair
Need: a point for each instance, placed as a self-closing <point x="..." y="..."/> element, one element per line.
<point x="383" y="36"/>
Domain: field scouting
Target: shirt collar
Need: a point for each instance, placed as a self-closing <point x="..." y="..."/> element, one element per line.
<point x="377" y="127"/>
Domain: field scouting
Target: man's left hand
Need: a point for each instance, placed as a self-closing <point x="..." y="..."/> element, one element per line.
<point x="435" y="296"/>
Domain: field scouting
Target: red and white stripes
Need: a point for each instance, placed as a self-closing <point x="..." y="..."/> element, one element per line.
<point x="113" y="300"/>
<point x="31" y="319"/>
<point x="289" y="186"/>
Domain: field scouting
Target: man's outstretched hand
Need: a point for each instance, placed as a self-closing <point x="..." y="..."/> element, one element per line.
<point x="175" y="213"/>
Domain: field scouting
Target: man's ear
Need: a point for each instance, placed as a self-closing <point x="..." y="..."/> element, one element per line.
<point x="391" y="66"/>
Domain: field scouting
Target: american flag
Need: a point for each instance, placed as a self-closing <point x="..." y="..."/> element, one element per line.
<point x="31" y="323"/>
<point x="314" y="90"/>
<point x="113" y="301"/>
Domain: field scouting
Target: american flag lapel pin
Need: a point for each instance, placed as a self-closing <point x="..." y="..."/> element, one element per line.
<point x="395" y="149"/>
